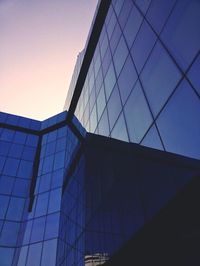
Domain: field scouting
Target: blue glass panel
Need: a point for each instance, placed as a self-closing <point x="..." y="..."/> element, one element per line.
<point x="11" y="166"/>
<point x="32" y="140"/>
<point x="27" y="232"/>
<point x="119" y="131"/>
<point x="114" y="106"/>
<point x="142" y="46"/>
<point x="50" y="148"/>
<point x="103" y="124"/>
<point x="20" y="137"/>
<point x="159" y="77"/>
<point x="15" y="209"/>
<point x="127" y="79"/>
<point x="115" y="38"/>
<point x="143" y="5"/>
<point x="16" y="150"/>
<point x="45" y="181"/>
<point x="106" y="61"/>
<point x="61" y="144"/>
<point x="38" y="229"/>
<point x="4" y="147"/>
<point x="59" y="160"/>
<point x="49" y="253"/>
<point x="25" y="169"/>
<point x="6" y="184"/>
<point x="182" y="32"/>
<point x="57" y="178"/>
<point x="3" y="117"/>
<point x="158" y="13"/>
<point x="179" y="122"/>
<point x="110" y="80"/>
<point x="34" y="254"/>
<point x="4" y="200"/>
<point x="2" y="162"/>
<point x="101" y="102"/>
<point x="137" y="114"/>
<point x="28" y="153"/>
<point x="22" y="256"/>
<point x="9" y="234"/>
<point x="99" y="80"/>
<point x="93" y="120"/>
<point x="132" y="26"/>
<point x="104" y="43"/>
<point x="118" y="5"/>
<point x="52" y="136"/>
<point x="47" y="164"/>
<point x="35" y="124"/>
<point x="194" y="74"/>
<point x="21" y="187"/>
<point x="24" y="122"/>
<point x="152" y="139"/>
<point x="120" y="55"/>
<point x="42" y="202"/>
<point x="62" y="132"/>
<point x="54" y="200"/>
<point x="111" y="24"/>
<point x="52" y="226"/>
<point x="125" y="11"/>
<point x="92" y="98"/>
<point x="12" y="119"/>
<point x="7" y="134"/>
<point x="6" y="256"/>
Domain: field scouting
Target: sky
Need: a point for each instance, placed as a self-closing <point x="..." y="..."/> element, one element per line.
<point x="39" y="44"/>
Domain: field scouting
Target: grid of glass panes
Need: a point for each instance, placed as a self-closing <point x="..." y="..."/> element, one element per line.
<point x="143" y="81"/>
<point x="41" y="227"/>
<point x="71" y="247"/>
<point x="17" y="154"/>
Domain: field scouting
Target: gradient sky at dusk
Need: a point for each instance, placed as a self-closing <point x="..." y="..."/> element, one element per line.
<point x="39" y="44"/>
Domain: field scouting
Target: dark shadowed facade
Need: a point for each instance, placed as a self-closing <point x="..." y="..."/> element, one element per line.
<point x="71" y="197"/>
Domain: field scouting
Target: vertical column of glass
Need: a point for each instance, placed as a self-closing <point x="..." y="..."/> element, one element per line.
<point x="17" y="153"/>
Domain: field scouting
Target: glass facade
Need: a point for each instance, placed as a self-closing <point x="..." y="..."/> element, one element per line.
<point x="147" y="54"/>
<point x="72" y="198"/>
<point x="34" y="158"/>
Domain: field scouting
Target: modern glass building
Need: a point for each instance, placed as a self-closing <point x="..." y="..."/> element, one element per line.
<point x="142" y="83"/>
<point x="69" y="197"/>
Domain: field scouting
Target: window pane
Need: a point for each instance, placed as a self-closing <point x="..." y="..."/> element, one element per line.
<point x="143" y="45"/>
<point x="120" y="55"/>
<point x="9" y="234"/>
<point x="132" y="26"/>
<point x="119" y="131"/>
<point x="34" y="254"/>
<point x="182" y="32"/>
<point x="38" y="229"/>
<point x="6" y="256"/>
<point x="42" y="202"/>
<point x="11" y="167"/>
<point x="49" y="253"/>
<point x="15" y="209"/>
<point x="137" y="114"/>
<point x="114" y="106"/>
<point x="127" y="79"/>
<point x="179" y="123"/>
<point x="159" y="77"/>
<point x="158" y="13"/>
<point x="110" y="80"/>
<point x="194" y="74"/>
<point x="152" y="139"/>
<point x="52" y="226"/>
<point x="25" y="169"/>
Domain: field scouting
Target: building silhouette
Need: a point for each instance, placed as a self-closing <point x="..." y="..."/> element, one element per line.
<point x="114" y="178"/>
